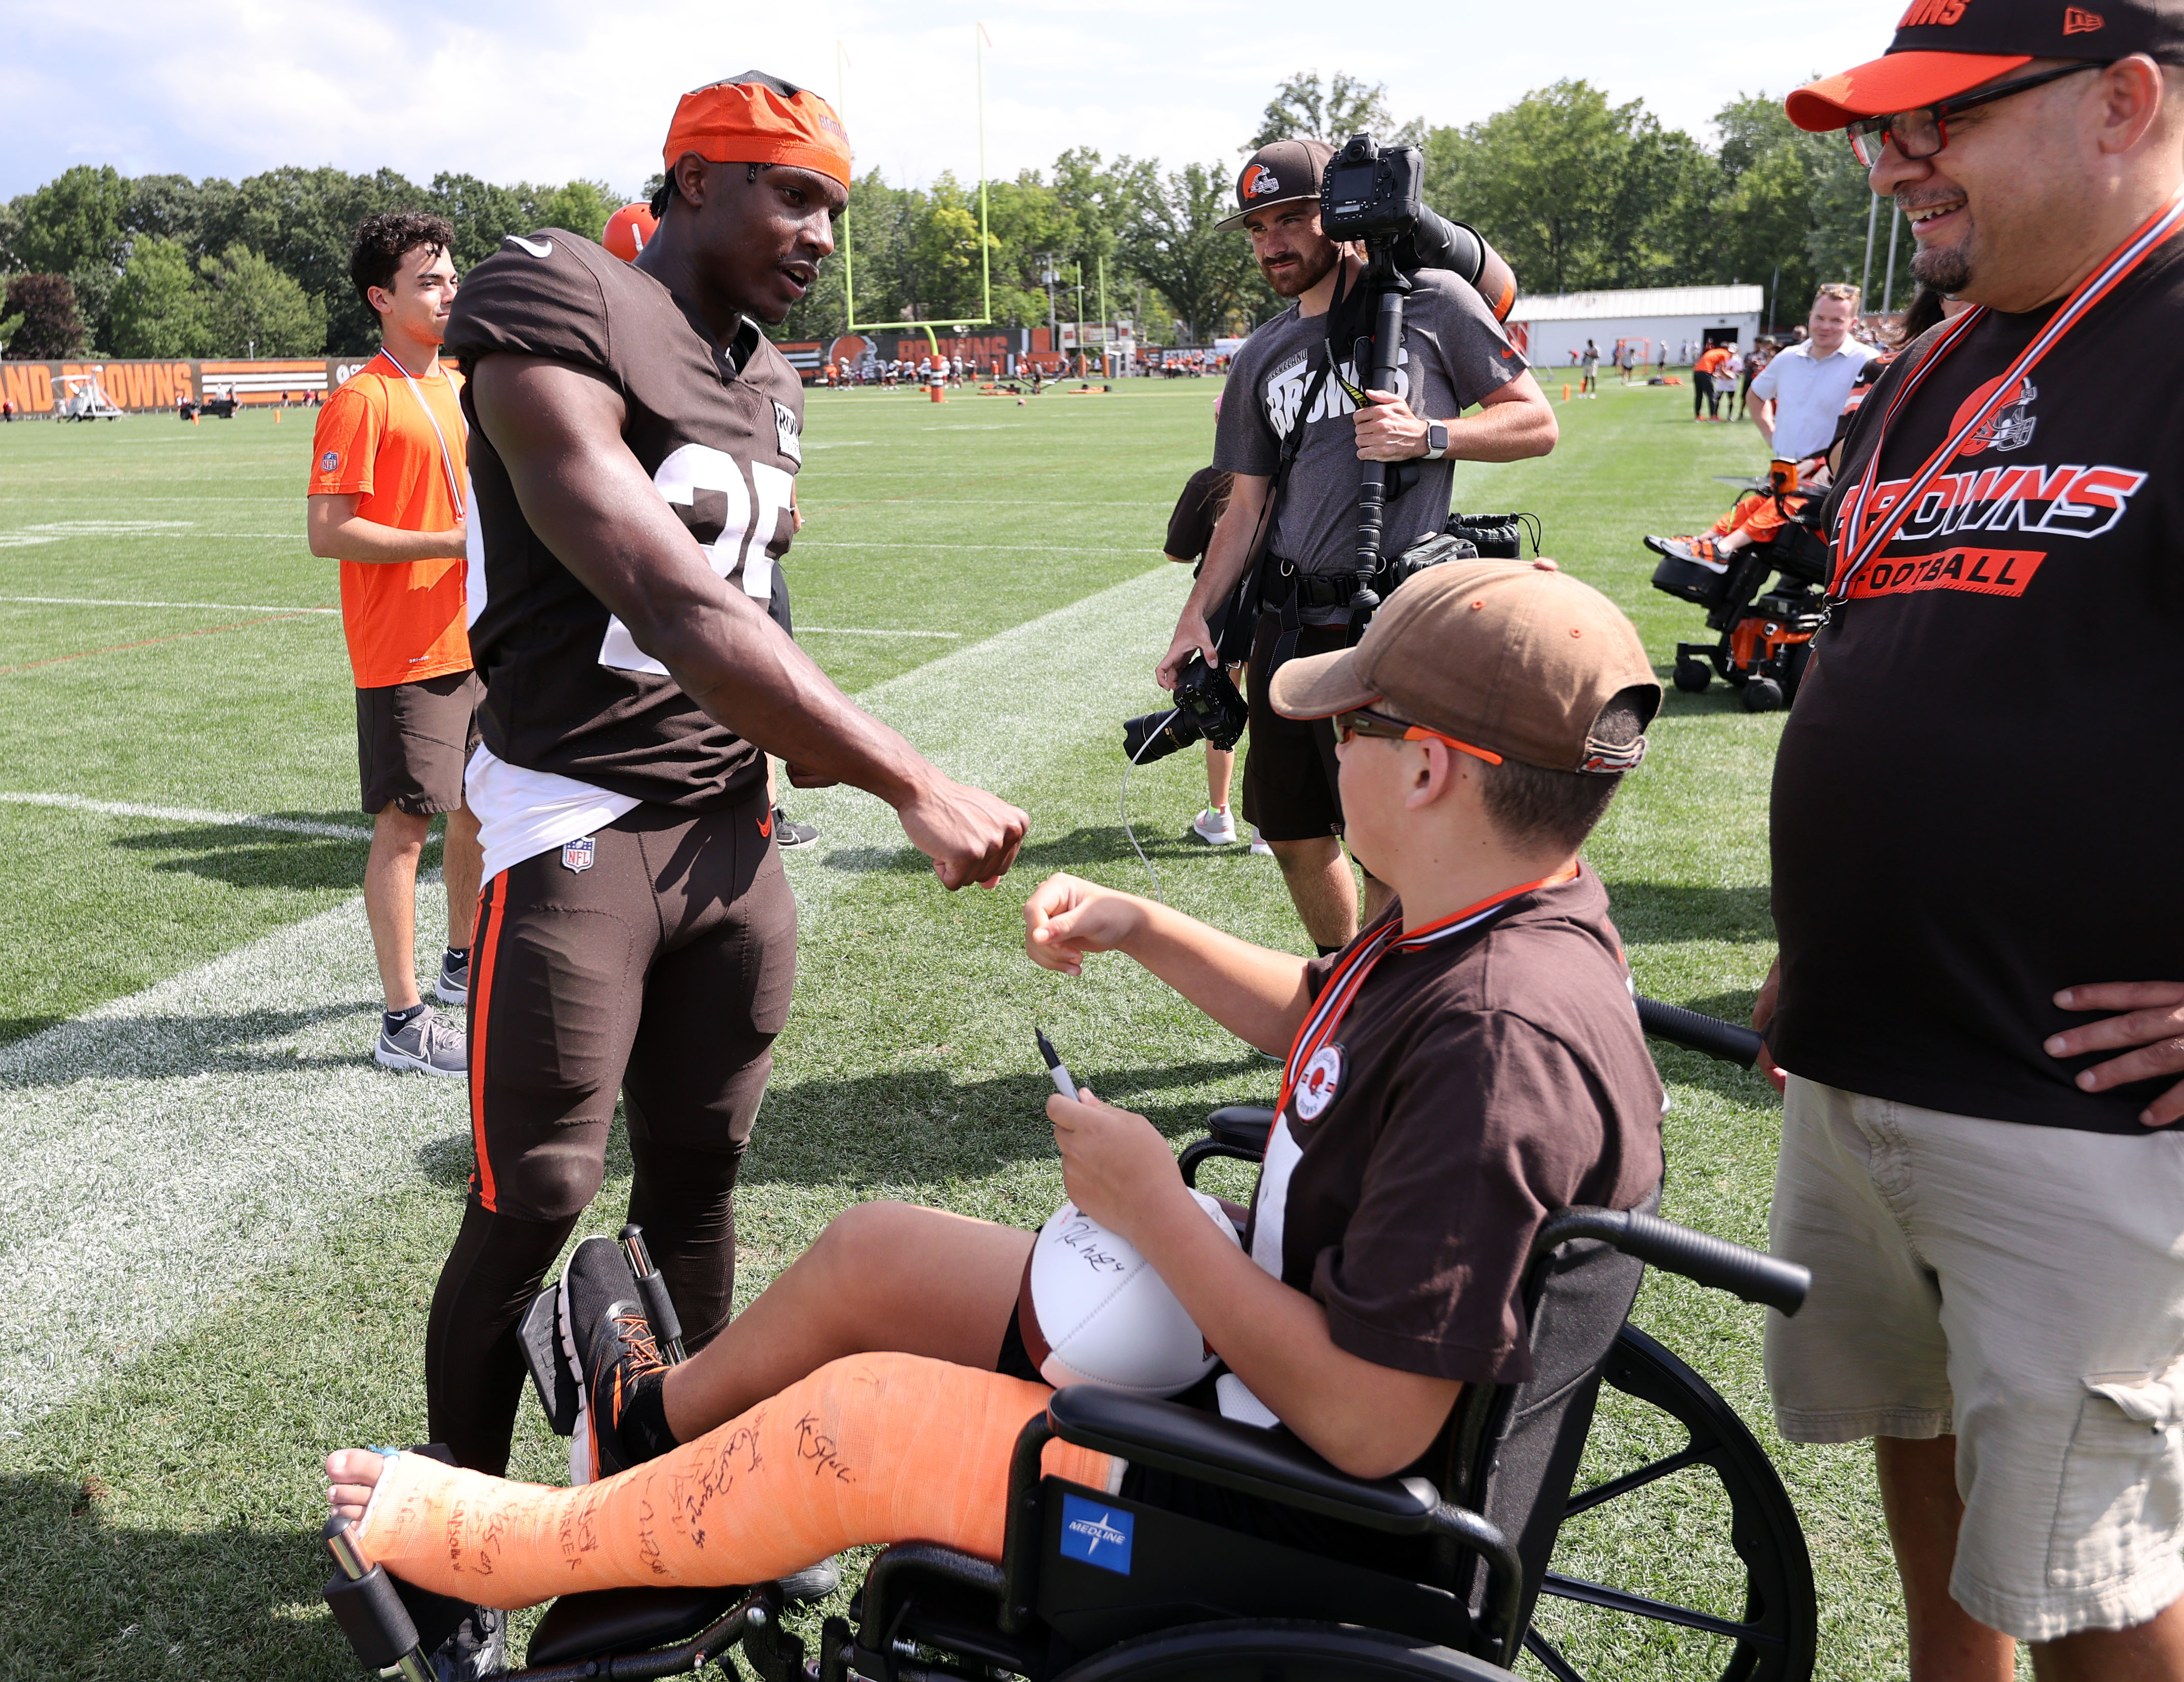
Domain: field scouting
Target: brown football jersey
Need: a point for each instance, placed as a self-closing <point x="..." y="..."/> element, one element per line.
<point x="567" y="689"/>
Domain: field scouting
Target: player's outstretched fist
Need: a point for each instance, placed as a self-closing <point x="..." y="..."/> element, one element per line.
<point x="969" y="835"/>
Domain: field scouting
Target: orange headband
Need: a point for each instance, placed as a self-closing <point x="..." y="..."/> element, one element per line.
<point x="747" y="122"/>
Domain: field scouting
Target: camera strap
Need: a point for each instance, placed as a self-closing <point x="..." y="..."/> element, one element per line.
<point x="1243" y="623"/>
<point x="1289" y="603"/>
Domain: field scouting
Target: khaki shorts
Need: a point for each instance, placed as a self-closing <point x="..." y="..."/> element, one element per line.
<point x="2022" y="1288"/>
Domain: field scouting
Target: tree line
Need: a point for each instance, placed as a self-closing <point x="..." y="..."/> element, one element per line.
<point x="1578" y="192"/>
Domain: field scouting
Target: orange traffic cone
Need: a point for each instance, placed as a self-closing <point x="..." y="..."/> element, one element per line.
<point x="1565" y="391"/>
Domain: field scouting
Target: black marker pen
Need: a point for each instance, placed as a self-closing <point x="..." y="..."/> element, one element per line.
<point x="1064" y="1082"/>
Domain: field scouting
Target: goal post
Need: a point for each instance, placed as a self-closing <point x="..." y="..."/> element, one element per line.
<point x="852" y="324"/>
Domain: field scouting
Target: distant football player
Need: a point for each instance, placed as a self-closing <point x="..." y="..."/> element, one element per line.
<point x="386" y="495"/>
<point x="634" y="436"/>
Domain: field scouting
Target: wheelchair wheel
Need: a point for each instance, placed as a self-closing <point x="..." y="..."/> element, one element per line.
<point x="1762" y="694"/>
<point x="1280" y="1651"/>
<point x="1692" y="676"/>
<point x="1700" y="1527"/>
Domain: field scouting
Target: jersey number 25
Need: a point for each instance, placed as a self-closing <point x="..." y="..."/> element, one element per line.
<point x="733" y="522"/>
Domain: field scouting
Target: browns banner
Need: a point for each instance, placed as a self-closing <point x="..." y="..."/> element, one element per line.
<point x="142" y="387"/>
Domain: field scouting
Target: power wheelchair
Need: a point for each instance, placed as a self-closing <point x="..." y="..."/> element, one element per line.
<point x="1766" y="629"/>
<point x="1175" y="1597"/>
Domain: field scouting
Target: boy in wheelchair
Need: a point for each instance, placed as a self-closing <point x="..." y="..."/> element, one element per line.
<point x="1469" y="1064"/>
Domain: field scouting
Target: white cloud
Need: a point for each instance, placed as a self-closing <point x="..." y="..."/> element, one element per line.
<point x="548" y="89"/>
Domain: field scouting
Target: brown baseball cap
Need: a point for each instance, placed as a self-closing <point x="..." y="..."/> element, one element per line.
<point x="1513" y="656"/>
<point x="1277" y="173"/>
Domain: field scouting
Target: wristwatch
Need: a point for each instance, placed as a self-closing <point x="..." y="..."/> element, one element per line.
<point x="1436" y="441"/>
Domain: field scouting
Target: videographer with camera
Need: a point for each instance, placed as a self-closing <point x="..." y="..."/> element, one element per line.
<point x="1297" y="424"/>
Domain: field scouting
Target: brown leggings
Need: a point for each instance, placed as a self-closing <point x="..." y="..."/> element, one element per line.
<point x="869" y="1449"/>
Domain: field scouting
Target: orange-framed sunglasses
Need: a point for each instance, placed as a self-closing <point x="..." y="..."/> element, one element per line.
<point x="1360" y="722"/>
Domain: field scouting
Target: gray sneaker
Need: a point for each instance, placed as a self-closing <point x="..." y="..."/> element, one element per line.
<point x="429" y="1042"/>
<point x="453" y="985"/>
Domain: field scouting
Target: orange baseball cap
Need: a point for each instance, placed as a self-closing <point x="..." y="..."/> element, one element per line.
<point x="1945" y="47"/>
<point x="759" y="119"/>
<point x="1516" y="657"/>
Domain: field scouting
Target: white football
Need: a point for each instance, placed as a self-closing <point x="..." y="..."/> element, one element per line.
<point x="1105" y="1317"/>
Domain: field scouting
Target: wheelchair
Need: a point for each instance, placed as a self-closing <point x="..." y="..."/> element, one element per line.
<point x="1175" y="1596"/>
<point x="1765" y="630"/>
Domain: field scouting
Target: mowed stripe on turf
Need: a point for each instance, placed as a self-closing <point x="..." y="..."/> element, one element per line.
<point x="156" y="1152"/>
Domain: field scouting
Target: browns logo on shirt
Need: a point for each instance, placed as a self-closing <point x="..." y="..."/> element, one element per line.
<point x="568" y="691"/>
<point x="2011" y="651"/>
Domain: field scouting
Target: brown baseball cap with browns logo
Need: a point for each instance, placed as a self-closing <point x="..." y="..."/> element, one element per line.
<point x="1277" y="173"/>
<point x="1513" y="656"/>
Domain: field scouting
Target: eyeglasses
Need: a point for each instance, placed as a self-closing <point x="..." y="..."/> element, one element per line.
<point x="1923" y="132"/>
<point x="1363" y="723"/>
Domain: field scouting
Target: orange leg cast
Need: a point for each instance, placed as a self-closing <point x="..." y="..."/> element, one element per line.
<point x="871" y="1448"/>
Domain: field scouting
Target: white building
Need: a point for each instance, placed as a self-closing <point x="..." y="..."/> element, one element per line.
<point x="1683" y="317"/>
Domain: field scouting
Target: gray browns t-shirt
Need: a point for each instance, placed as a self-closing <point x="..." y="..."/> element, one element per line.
<point x="1454" y="353"/>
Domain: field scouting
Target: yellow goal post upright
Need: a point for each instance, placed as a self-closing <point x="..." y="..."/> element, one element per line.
<point x="852" y="324"/>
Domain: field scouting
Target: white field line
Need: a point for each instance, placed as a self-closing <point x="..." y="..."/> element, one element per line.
<point x="293" y="826"/>
<point x="239" y="607"/>
<point x="157" y="1151"/>
<point x="999" y="549"/>
<point x="210" y="607"/>
<point x="842" y="631"/>
<point x="997" y="712"/>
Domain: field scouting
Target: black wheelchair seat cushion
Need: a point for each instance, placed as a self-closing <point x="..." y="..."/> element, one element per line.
<point x="578" y="1627"/>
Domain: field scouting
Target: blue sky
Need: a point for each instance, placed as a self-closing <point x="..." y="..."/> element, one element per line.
<point x="546" y="90"/>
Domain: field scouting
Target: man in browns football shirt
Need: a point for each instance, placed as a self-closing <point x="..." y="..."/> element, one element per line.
<point x="634" y="436"/>
<point x="1973" y="806"/>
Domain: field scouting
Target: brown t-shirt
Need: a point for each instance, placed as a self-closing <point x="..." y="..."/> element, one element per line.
<point x="1440" y="1100"/>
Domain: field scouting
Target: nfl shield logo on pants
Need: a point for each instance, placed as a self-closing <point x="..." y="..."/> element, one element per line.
<point x="576" y="854"/>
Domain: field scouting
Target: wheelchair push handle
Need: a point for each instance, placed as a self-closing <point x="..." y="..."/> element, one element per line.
<point x="1724" y="1042"/>
<point x="1712" y="1262"/>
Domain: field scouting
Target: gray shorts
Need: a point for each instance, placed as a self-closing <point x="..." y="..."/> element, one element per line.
<point x="2021" y="1288"/>
<point x="412" y="741"/>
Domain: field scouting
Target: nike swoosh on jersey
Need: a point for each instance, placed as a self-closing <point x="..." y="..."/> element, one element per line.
<point x="539" y="248"/>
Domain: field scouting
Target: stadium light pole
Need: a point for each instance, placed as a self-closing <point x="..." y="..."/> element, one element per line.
<point x="1888" y="288"/>
<point x="1865" y="280"/>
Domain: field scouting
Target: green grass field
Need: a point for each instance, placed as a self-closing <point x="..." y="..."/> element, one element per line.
<point x="222" y="1226"/>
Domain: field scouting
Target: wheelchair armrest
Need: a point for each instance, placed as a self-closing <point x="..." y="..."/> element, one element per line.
<point x="1241" y="1127"/>
<point x="1270" y="1464"/>
<point x="1237" y="1131"/>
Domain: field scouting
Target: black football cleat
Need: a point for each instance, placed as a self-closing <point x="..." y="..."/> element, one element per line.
<point x="607" y="1348"/>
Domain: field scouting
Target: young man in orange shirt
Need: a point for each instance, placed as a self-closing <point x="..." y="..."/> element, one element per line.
<point x="386" y="498"/>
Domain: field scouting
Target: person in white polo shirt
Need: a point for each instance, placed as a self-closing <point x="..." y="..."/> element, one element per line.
<point x="1796" y="396"/>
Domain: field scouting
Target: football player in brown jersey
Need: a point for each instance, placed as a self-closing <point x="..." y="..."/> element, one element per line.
<point x="635" y="438"/>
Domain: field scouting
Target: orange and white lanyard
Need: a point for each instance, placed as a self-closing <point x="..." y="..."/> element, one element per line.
<point x="447" y="457"/>
<point x="1860" y="538"/>
<point x="1348" y="979"/>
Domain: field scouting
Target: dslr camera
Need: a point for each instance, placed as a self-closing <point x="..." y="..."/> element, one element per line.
<point x="1206" y="704"/>
<point x="1370" y="192"/>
